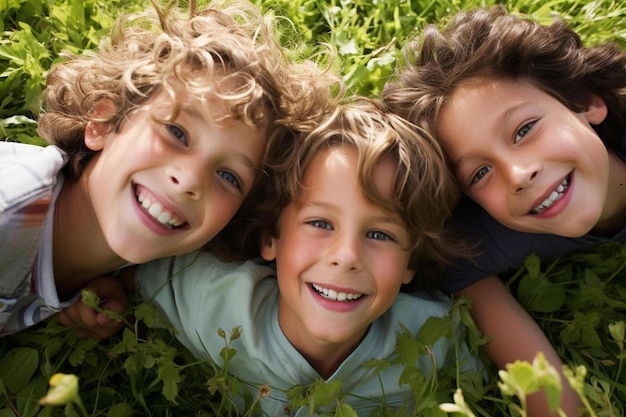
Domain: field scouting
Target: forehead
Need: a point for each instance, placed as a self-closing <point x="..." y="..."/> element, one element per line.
<point x="221" y="94"/>
<point x="339" y="164"/>
<point x="334" y="160"/>
<point x="486" y="99"/>
<point x="170" y="105"/>
<point x="496" y="89"/>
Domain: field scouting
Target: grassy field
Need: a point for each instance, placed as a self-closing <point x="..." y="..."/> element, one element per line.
<point x="580" y="302"/>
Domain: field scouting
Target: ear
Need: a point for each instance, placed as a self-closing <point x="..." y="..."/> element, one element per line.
<point x="596" y="111"/>
<point x="408" y="276"/>
<point x="268" y="248"/>
<point x="95" y="132"/>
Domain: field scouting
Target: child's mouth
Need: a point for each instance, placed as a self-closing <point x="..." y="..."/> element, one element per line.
<point x="157" y="212"/>
<point x="555" y="196"/>
<point x="333" y="295"/>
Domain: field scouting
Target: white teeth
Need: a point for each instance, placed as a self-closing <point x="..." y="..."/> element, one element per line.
<point x="334" y="295"/>
<point x="548" y="201"/>
<point x="156" y="211"/>
<point x="554" y="196"/>
<point x="164" y="217"/>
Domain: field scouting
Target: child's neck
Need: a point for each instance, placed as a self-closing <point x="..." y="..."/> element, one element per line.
<point x="614" y="213"/>
<point x="325" y="357"/>
<point x="80" y="251"/>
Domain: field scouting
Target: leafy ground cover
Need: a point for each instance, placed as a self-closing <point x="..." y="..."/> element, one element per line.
<point x="580" y="302"/>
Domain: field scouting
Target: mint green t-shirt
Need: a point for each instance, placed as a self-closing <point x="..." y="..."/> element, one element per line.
<point x="199" y="294"/>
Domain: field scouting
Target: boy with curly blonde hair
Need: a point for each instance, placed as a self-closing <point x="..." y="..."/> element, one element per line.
<point x="155" y="141"/>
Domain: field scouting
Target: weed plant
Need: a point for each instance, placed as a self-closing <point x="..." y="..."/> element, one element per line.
<point x="579" y="301"/>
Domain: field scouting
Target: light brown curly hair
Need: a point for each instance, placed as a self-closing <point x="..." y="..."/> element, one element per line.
<point x="424" y="192"/>
<point x="228" y="51"/>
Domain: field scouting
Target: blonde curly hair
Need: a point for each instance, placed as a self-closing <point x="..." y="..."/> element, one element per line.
<point x="228" y="51"/>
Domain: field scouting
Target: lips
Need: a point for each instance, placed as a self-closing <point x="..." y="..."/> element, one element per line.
<point x="555" y="196"/>
<point x="333" y="295"/>
<point x="157" y="211"/>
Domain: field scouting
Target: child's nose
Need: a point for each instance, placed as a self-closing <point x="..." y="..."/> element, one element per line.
<point x="188" y="179"/>
<point x="344" y="252"/>
<point x="522" y="175"/>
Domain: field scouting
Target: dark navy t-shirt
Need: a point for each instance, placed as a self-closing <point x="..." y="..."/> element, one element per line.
<point x="501" y="249"/>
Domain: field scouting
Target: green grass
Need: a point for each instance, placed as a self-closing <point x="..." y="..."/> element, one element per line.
<point x="144" y="371"/>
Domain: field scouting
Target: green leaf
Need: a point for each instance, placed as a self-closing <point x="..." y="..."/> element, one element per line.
<point x="120" y="410"/>
<point x="536" y="293"/>
<point x="324" y="393"/>
<point x="90" y="299"/>
<point x="433" y="329"/>
<point x="344" y="410"/>
<point x="28" y="397"/>
<point x="18" y="366"/>
<point x="148" y="313"/>
<point x="570" y="334"/>
<point x="169" y="373"/>
<point x="533" y="264"/>
<point x="227" y="354"/>
<point x="408" y="347"/>
<point x="412" y="376"/>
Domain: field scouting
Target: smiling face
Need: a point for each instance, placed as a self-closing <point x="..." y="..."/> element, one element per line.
<point x="340" y="259"/>
<point x="532" y="163"/>
<point x="161" y="188"/>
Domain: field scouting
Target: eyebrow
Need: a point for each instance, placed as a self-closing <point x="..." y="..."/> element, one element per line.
<point x="192" y="113"/>
<point x="248" y="162"/>
<point x="309" y="203"/>
<point x="195" y="114"/>
<point x="509" y="111"/>
<point x="395" y="219"/>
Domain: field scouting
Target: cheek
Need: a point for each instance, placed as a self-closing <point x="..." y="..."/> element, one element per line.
<point x="294" y="250"/>
<point x="392" y="270"/>
<point x="288" y="271"/>
<point x="496" y="207"/>
<point x="295" y="256"/>
<point x="219" y="212"/>
<point x="491" y="194"/>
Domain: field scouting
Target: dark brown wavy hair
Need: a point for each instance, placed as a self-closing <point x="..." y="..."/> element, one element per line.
<point x="491" y="43"/>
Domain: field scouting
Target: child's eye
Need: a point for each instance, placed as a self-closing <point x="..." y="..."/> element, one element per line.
<point x="230" y="178"/>
<point x="321" y="224"/>
<point x="178" y="133"/>
<point x="523" y="131"/>
<point x="378" y="235"/>
<point x="480" y="174"/>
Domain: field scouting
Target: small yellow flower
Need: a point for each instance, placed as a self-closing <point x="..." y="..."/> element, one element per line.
<point x="63" y="390"/>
